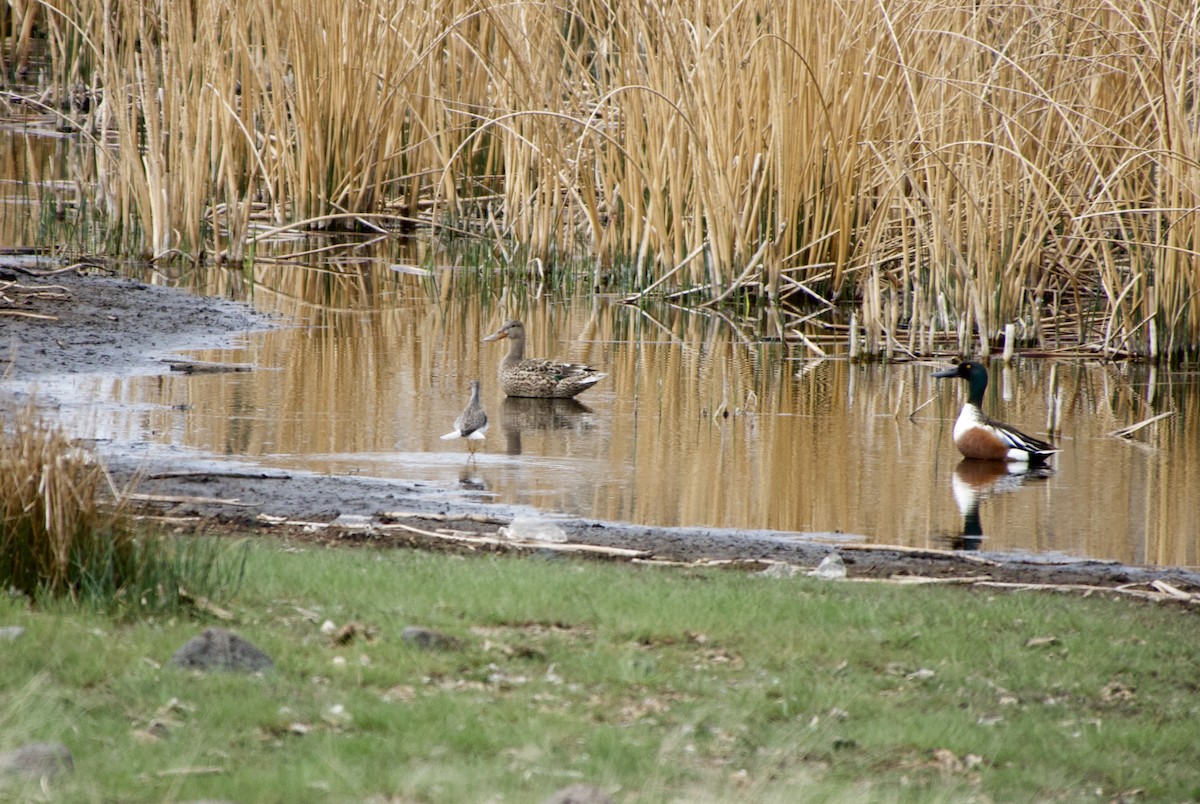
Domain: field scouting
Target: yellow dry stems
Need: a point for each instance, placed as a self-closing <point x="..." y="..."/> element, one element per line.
<point x="949" y="168"/>
<point x="50" y="507"/>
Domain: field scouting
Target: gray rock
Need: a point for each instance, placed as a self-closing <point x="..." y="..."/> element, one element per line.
<point x="11" y="632"/>
<point x="428" y="639"/>
<point x="36" y="760"/>
<point x="579" y="794"/>
<point x="831" y="568"/>
<point x="218" y="649"/>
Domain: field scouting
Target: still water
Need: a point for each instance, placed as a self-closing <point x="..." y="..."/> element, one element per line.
<point x="697" y="423"/>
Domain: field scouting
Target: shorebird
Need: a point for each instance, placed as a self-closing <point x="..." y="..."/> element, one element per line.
<point x="472" y="423"/>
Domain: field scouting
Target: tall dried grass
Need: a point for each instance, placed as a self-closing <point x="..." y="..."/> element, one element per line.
<point x="50" y="494"/>
<point x="62" y="535"/>
<point x="947" y="168"/>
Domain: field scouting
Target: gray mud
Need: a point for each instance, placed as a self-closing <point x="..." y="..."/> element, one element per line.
<point x="102" y="324"/>
<point x="122" y="326"/>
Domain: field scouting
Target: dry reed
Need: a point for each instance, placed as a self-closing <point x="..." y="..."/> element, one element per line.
<point x="51" y="508"/>
<point x="948" y="169"/>
<point x="62" y="534"/>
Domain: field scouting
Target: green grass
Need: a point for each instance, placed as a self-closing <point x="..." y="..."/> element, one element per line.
<point x="656" y="684"/>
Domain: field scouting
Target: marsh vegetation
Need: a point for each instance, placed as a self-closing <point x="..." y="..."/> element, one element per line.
<point x="892" y="180"/>
<point x="65" y="532"/>
<point x="916" y="173"/>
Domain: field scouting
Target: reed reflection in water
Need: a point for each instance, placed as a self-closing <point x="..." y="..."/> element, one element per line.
<point x="697" y="423"/>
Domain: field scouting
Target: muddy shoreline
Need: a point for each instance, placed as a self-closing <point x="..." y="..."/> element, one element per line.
<point x="67" y="323"/>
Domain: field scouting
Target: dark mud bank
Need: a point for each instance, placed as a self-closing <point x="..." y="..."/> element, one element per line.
<point x="354" y="510"/>
<point x="67" y="323"/>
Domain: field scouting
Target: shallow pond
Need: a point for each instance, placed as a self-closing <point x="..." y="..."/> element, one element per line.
<point x="697" y="423"/>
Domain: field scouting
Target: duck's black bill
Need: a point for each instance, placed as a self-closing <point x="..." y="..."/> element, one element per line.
<point x="950" y="372"/>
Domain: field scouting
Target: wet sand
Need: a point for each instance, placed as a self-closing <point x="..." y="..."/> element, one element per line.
<point x="120" y="326"/>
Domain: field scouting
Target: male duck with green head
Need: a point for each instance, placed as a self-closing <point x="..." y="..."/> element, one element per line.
<point x="978" y="436"/>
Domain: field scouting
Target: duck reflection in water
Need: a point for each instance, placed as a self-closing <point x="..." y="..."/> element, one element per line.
<point x="977" y="480"/>
<point x="524" y="415"/>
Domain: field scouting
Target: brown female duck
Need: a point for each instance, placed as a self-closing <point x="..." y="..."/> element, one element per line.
<point x="536" y="376"/>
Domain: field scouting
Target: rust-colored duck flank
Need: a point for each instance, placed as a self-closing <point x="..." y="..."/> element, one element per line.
<point x="537" y="376"/>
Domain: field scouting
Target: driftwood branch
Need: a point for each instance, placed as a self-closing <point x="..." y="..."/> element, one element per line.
<point x="483" y="519"/>
<point x="1126" y="432"/>
<point x="24" y="314"/>
<point x="234" y="475"/>
<point x="1158" y="591"/>
<point x="201" y="367"/>
<point x="183" y="498"/>
<point x="468" y="539"/>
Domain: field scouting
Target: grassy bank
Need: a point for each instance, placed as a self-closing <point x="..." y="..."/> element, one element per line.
<point x="947" y="169"/>
<point x="655" y="684"/>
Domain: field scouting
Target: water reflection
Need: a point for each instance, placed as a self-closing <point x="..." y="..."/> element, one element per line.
<point x="469" y="478"/>
<point x="519" y="416"/>
<point x="975" y="481"/>
<point x="372" y="364"/>
<point x="37" y="193"/>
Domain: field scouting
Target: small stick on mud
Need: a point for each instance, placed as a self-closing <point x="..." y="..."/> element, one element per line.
<point x="233" y="475"/>
<point x="483" y="519"/>
<point x="196" y="367"/>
